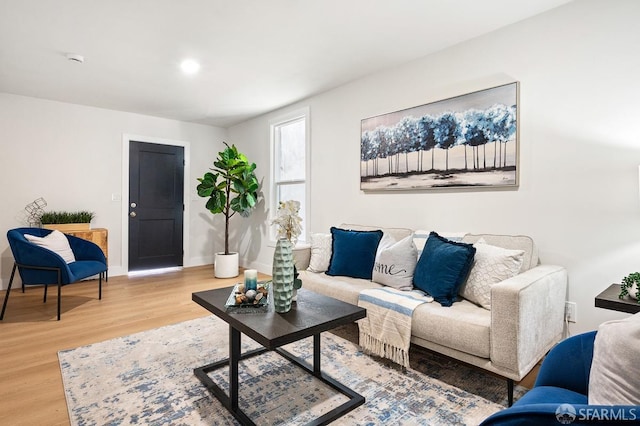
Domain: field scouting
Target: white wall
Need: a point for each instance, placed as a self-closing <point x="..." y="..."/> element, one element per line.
<point x="72" y="156"/>
<point x="579" y="148"/>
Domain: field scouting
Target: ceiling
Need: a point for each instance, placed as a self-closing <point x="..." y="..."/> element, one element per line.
<point x="255" y="55"/>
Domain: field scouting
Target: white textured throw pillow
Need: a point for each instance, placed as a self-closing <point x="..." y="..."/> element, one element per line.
<point x="57" y="242"/>
<point x="395" y="262"/>
<point x="320" y="252"/>
<point x="491" y="265"/>
<point x="615" y="371"/>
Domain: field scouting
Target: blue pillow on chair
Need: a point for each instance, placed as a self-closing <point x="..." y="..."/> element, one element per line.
<point x="353" y="253"/>
<point x="443" y="267"/>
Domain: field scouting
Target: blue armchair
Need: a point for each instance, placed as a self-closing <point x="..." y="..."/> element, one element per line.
<point x="40" y="266"/>
<point x="560" y="391"/>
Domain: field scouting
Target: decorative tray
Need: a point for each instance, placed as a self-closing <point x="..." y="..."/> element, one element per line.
<point x="238" y="300"/>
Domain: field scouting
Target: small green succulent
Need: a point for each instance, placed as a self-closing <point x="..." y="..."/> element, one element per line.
<point x="627" y="284"/>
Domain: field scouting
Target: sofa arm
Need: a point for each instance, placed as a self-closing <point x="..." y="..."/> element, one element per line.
<point x="302" y="256"/>
<point x="527" y="317"/>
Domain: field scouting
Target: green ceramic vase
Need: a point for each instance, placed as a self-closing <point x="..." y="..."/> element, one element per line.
<point x="282" y="276"/>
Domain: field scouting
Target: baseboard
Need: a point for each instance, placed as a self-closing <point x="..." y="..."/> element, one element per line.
<point x="199" y="261"/>
<point x="115" y="271"/>
<point x="263" y="268"/>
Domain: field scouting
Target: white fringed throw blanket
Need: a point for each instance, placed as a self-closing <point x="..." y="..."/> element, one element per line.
<point x="386" y="331"/>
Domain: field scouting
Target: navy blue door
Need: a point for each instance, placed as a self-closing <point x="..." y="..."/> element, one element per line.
<point x="156" y="206"/>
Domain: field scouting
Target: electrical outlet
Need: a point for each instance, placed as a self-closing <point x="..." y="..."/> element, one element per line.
<point x="570" y="311"/>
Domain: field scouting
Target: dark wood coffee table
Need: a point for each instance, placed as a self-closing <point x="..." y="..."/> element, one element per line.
<point x="311" y="315"/>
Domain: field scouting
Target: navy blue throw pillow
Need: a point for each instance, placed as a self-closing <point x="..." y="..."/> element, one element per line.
<point x="443" y="267"/>
<point x="353" y="253"/>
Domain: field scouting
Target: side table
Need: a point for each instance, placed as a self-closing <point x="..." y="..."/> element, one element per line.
<point x="609" y="299"/>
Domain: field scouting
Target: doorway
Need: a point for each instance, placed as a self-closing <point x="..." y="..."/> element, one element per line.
<point x="156" y="206"/>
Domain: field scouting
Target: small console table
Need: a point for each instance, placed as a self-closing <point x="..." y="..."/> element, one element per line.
<point x="99" y="236"/>
<point x="609" y="299"/>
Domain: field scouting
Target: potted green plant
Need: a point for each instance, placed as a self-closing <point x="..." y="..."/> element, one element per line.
<point x="231" y="187"/>
<point x="631" y="286"/>
<point x="66" y="221"/>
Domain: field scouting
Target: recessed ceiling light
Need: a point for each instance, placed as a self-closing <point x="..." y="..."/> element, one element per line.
<point x="189" y="66"/>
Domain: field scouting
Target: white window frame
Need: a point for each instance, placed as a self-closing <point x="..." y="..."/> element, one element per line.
<point x="304" y="114"/>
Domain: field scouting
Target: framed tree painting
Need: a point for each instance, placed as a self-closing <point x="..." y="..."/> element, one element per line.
<point x="469" y="141"/>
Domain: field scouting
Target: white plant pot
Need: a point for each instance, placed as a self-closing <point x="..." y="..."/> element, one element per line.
<point x="632" y="292"/>
<point x="226" y="265"/>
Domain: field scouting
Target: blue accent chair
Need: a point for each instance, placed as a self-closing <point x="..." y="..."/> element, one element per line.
<point x="40" y="266"/>
<point x="563" y="379"/>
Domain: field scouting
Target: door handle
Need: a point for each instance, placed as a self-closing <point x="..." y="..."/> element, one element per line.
<point x="132" y="214"/>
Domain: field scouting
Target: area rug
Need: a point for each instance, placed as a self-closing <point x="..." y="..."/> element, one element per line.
<point x="147" y="378"/>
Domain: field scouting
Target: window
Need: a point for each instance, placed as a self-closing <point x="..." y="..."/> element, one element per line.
<point x="290" y="159"/>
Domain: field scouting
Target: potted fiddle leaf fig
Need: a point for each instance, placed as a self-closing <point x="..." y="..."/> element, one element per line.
<point x="230" y="187"/>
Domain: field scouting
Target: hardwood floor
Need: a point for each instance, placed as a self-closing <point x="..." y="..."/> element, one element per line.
<point x="31" y="391"/>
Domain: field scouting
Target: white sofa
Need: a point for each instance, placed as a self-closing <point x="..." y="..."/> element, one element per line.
<point x="526" y="317"/>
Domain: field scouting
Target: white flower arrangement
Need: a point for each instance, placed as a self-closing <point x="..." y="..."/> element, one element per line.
<point x="288" y="220"/>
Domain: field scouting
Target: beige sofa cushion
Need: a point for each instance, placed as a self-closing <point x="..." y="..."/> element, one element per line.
<point x="397" y="233"/>
<point x="464" y="327"/>
<point x="342" y="288"/>
<point x="511" y="242"/>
